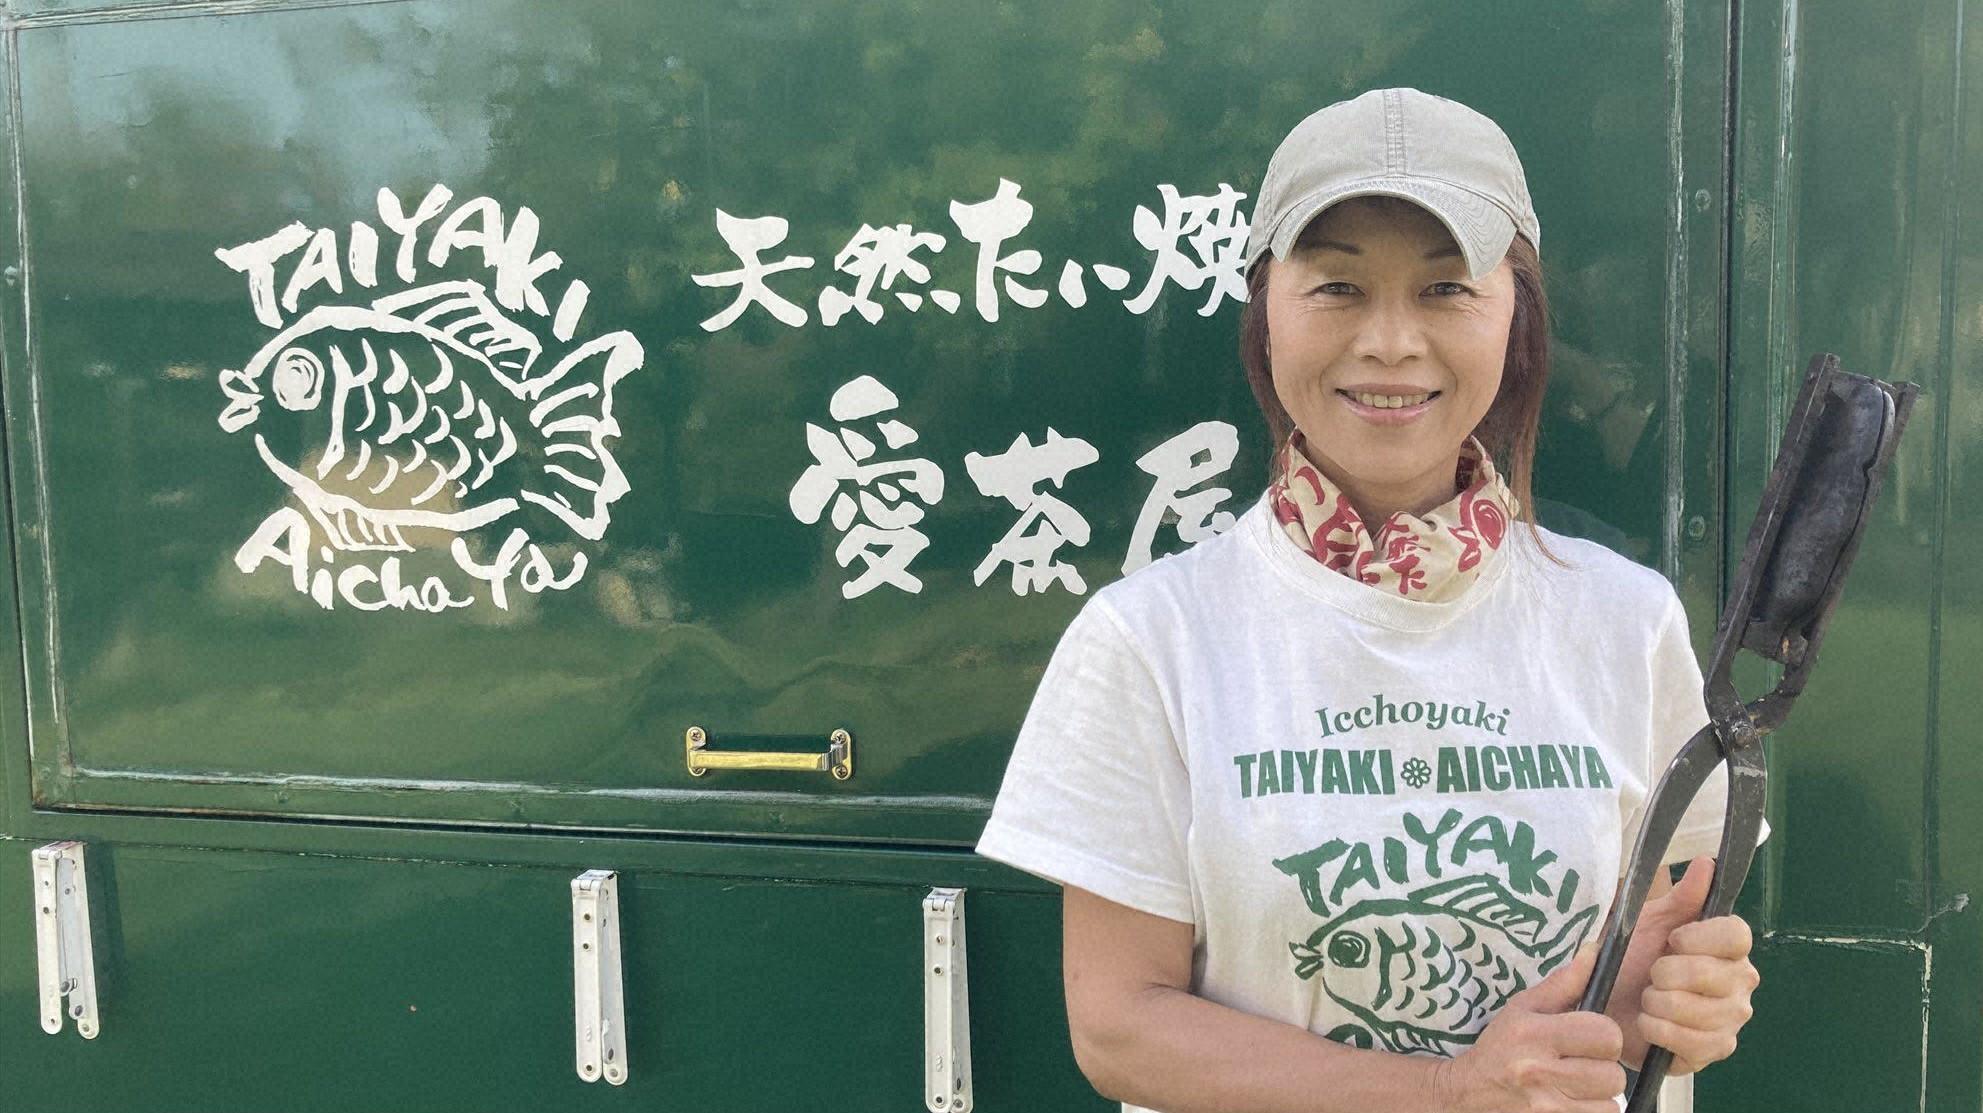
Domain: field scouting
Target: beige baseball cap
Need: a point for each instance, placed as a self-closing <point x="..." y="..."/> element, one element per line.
<point x="1451" y="160"/>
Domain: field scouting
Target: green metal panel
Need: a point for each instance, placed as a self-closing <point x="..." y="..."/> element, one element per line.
<point x="1954" y="803"/>
<point x="318" y="982"/>
<point x="1858" y="147"/>
<point x="1836" y="1028"/>
<point x="1844" y="757"/>
<point x="162" y="676"/>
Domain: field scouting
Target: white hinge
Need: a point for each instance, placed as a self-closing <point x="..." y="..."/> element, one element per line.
<point x="946" y="1004"/>
<point x="62" y="938"/>
<point x="600" y="1009"/>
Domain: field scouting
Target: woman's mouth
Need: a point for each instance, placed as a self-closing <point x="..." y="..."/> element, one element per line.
<point x="1388" y="409"/>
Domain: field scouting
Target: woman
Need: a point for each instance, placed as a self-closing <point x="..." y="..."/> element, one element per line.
<point x="1336" y="809"/>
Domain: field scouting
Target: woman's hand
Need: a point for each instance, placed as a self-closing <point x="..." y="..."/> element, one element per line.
<point x="1692" y="978"/>
<point x="1539" y="1053"/>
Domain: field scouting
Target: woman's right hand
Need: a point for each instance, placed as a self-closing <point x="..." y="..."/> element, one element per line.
<point x="1540" y="1055"/>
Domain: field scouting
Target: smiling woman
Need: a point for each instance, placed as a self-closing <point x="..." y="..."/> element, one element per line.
<point x="1375" y="300"/>
<point x="1281" y="895"/>
<point x="1388" y="356"/>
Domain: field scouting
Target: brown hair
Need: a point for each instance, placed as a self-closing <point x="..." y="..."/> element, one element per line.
<point x="1509" y="429"/>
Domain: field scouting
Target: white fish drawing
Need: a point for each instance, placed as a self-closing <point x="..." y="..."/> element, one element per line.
<point x="429" y="408"/>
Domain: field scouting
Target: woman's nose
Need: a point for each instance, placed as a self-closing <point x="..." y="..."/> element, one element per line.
<point x="1390" y="333"/>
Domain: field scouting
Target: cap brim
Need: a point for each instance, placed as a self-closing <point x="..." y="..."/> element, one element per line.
<point x="1481" y="228"/>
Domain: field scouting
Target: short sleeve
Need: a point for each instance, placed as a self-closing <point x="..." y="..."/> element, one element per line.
<point x="1679" y="709"/>
<point x="1096" y="794"/>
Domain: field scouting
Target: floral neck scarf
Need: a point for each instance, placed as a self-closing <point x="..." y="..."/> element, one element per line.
<point x="1433" y="558"/>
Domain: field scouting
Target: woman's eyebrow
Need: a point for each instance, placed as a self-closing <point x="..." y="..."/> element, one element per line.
<point x="1450" y="251"/>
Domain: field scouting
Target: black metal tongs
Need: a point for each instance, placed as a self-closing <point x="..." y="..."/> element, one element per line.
<point x="1843" y="429"/>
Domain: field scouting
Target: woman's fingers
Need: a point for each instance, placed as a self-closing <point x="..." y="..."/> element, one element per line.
<point x="1705" y="975"/>
<point x="1692" y="1010"/>
<point x="1700" y="993"/>
<point x="1692" y="1049"/>
<point x="1720" y="937"/>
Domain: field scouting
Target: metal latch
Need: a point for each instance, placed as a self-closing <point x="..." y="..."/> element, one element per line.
<point x="599" y="1006"/>
<point x="946" y="1004"/>
<point x="62" y="938"/>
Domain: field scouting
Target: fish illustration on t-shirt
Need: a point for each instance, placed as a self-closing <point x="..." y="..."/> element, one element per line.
<point x="1425" y="971"/>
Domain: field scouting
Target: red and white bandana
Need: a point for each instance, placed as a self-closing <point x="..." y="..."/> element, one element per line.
<point x="1433" y="558"/>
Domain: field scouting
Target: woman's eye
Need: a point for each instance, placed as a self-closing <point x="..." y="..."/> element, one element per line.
<point x="1346" y="289"/>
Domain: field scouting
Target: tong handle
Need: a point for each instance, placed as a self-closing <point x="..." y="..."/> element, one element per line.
<point x="1743" y="822"/>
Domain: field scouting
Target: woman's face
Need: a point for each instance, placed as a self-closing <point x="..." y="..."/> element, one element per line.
<point x="1375" y="299"/>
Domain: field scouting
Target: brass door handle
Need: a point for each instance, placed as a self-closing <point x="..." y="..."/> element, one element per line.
<point x="838" y="758"/>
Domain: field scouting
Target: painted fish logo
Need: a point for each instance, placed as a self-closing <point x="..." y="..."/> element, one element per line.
<point x="1425" y="972"/>
<point x="430" y="408"/>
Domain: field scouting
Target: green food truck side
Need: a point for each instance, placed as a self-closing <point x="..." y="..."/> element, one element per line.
<point x="785" y="376"/>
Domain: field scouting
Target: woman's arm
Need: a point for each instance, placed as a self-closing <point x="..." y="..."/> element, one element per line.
<point x="1142" y="1037"/>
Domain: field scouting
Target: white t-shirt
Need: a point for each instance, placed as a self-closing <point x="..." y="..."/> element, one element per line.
<point x="1382" y="816"/>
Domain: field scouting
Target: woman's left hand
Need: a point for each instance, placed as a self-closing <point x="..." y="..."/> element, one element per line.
<point x="1698" y="996"/>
